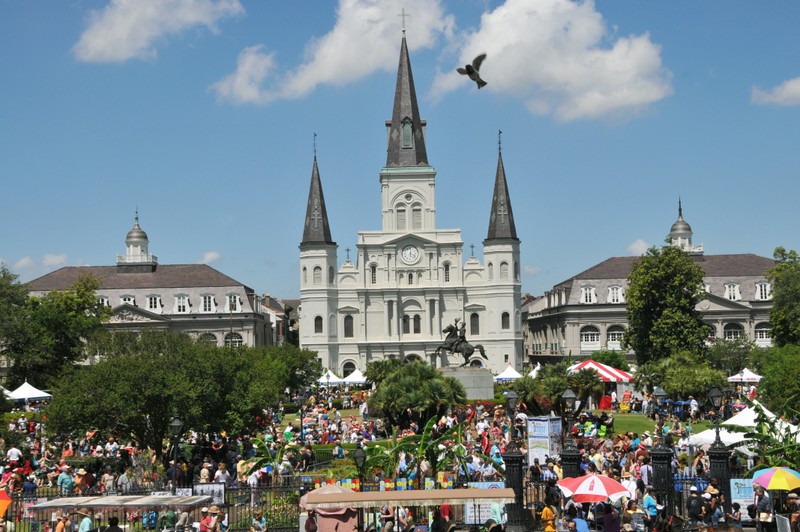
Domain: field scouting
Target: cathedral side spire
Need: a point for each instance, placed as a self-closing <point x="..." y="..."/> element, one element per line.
<point x="501" y="218"/>
<point x="406" y="129"/>
<point x="316" y="229"/>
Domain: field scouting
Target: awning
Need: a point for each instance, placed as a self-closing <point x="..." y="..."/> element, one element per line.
<point x="509" y="374"/>
<point x="148" y="501"/>
<point x="328" y="378"/>
<point x="606" y="373"/>
<point x="373" y="499"/>
<point x="745" y="376"/>
<point x="28" y="392"/>
<point x="355" y="378"/>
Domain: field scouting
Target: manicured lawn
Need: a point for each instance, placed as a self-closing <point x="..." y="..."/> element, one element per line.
<point x="639" y="423"/>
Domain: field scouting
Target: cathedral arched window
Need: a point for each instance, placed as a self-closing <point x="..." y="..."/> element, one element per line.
<point x="490" y="270"/>
<point x="330" y="275"/>
<point x="317" y="275"/>
<point x="406" y="324"/>
<point x="505" y="321"/>
<point x="401" y="217"/>
<point x="516" y="271"/>
<point x="305" y="275"/>
<point x="348" y="368"/>
<point x="417" y="324"/>
<point x="207" y="339"/>
<point x="373" y="274"/>
<point x="318" y="325"/>
<point x="447" y="272"/>
<point x="348" y="326"/>
<point x="410" y="278"/>
<point x="504" y="270"/>
<point x="474" y="324"/>
<point x="416" y="216"/>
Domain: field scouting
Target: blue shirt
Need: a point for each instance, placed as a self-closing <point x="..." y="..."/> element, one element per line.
<point x="581" y="525"/>
<point x="649" y="505"/>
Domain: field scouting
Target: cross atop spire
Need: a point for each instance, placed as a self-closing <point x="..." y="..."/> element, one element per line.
<point x="315" y="145"/>
<point x="403" y="15"/>
<point x="499" y="141"/>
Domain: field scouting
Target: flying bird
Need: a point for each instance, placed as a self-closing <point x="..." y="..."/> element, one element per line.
<point x="473" y="70"/>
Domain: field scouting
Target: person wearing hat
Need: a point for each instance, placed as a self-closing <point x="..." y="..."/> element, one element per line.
<point x="64" y="524"/>
<point x="86" y="520"/>
<point x="259" y="522"/>
<point x="708" y="511"/>
<point x="65" y="482"/>
<point x="694" y="506"/>
<point x="764" y="508"/>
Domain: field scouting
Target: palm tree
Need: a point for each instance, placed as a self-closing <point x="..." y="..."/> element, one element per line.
<point x="586" y="383"/>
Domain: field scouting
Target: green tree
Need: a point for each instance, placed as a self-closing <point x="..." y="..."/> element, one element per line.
<point x="615" y="359"/>
<point x="681" y="373"/>
<point x="731" y="356"/>
<point x="416" y="392"/>
<point x="54" y="333"/>
<point x="784" y="317"/>
<point x="586" y="384"/>
<point x="378" y="370"/>
<point x="140" y="380"/>
<point x="779" y="368"/>
<point x="303" y="365"/>
<point x="664" y="287"/>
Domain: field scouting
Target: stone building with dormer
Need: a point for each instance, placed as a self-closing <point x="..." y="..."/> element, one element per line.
<point x="195" y="299"/>
<point x="410" y="278"/>
<point x="587" y="312"/>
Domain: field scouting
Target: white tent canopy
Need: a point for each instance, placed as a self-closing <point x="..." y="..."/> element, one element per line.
<point x="27" y="392"/>
<point x="745" y="376"/>
<point x="330" y="377"/>
<point x="745" y="418"/>
<point x="355" y="378"/>
<point x="508" y="374"/>
<point x="535" y="371"/>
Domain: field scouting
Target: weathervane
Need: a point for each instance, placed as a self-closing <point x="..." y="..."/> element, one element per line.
<point x="499" y="141"/>
<point x="315" y="145"/>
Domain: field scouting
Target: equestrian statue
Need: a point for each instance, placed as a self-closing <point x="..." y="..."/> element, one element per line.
<point x="456" y="342"/>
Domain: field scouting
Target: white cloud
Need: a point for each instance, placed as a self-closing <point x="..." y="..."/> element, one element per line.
<point x="24" y="264"/>
<point x="51" y="260"/>
<point x="638" y="247"/>
<point x="785" y="94"/>
<point x="531" y="271"/>
<point x="210" y="257"/>
<point x="245" y="84"/>
<point x="560" y="57"/>
<point x="363" y="40"/>
<point x="130" y="29"/>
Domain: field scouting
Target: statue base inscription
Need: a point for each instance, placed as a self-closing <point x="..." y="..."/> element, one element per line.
<point x="478" y="382"/>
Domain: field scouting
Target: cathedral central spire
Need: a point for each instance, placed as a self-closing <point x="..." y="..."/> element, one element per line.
<point x="406" y="129"/>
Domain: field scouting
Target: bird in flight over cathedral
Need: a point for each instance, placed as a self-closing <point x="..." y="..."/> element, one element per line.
<point x="473" y="70"/>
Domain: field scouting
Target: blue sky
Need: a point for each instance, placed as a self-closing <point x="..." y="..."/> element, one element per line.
<point x="201" y="113"/>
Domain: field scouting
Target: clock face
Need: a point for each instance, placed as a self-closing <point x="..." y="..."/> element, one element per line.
<point x="410" y="254"/>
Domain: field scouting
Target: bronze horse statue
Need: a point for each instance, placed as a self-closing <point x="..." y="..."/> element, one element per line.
<point x="455" y="343"/>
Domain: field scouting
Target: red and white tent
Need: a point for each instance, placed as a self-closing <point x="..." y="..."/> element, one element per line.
<point x="607" y="373"/>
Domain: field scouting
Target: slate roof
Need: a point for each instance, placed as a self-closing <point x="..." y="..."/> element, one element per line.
<point x="111" y="277"/>
<point x="501" y="217"/>
<point x="405" y="107"/>
<point x="735" y="265"/>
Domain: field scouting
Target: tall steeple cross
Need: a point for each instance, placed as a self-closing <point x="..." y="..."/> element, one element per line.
<point x="348" y="253"/>
<point x="502" y="212"/>
<point x="472" y="250"/>
<point x="316" y="217"/>
<point x="403" y="15"/>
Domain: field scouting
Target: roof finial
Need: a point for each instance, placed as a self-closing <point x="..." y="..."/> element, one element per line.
<point x="136" y="217"/>
<point x="403" y="15"/>
<point x="680" y="208"/>
<point x="315" y="146"/>
<point x="499" y="141"/>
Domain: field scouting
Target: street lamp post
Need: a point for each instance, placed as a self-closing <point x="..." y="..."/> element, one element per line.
<point x="360" y="457"/>
<point x="175" y="426"/>
<point x="570" y="455"/>
<point x="715" y="396"/>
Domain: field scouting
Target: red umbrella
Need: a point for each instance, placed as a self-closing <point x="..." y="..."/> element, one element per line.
<point x="592" y="488"/>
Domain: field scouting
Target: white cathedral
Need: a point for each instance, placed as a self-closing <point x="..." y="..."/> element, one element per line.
<point x="410" y="280"/>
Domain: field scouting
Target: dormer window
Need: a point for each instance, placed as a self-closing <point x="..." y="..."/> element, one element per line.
<point x="103" y="301"/>
<point x="408" y="136"/>
<point x="615" y="295"/>
<point x="732" y="292"/>
<point x="588" y="295"/>
<point x="234" y="303"/>
<point x="209" y="305"/>
<point x="129" y="300"/>
<point x="763" y="291"/>
<point x="154" y="303"/>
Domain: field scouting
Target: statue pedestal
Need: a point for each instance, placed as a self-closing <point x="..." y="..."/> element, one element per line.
<point x="478" y="382"/>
